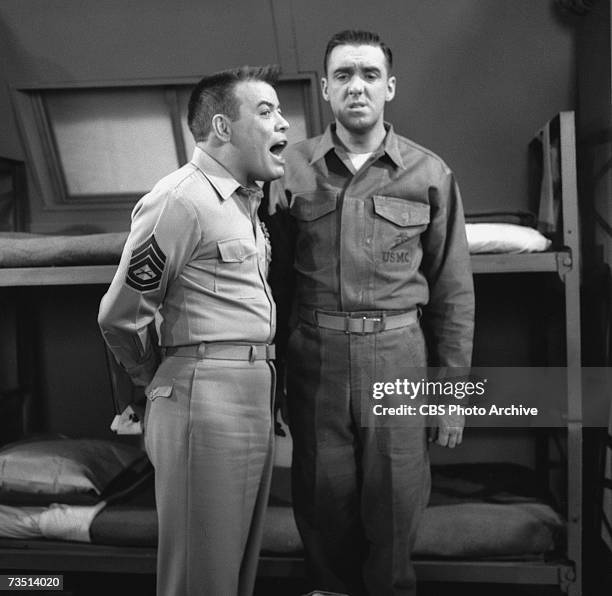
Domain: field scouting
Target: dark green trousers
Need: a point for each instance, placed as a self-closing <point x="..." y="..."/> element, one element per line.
<point x="358" y="491"/>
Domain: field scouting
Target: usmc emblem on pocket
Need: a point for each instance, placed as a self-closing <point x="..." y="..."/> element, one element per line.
<point x="146" y="266"/>
<point x="396" y="256"/>
<point x="401" y="238"/>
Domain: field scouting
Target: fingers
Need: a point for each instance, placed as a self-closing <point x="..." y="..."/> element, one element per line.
<point x="450" y="431"/>
<point x="450" y="437"/>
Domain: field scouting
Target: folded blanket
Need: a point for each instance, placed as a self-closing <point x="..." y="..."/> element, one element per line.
<point x="69" y="522"/>
<point x="488" y="530"/>
<point x="56" y="522"/>
<point x="519" y="218"/>
<point x="34" y="250"/>
<point x="20" y="522"/>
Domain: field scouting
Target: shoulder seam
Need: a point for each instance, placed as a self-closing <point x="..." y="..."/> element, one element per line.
<point x="426" y="151"/>
<point x="188" y="204"/>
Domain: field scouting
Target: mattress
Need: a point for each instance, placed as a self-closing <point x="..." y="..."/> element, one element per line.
<point x="20" y="249"/>
<point x="475" y="511"/>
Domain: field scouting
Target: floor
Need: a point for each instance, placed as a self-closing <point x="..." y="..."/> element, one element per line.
<point x="430" y="589"/>
<point x="597" y="582"/>
<point x="104" y="585"/>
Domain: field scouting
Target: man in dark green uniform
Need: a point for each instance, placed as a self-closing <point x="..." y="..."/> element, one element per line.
<point x="375" y="233"/>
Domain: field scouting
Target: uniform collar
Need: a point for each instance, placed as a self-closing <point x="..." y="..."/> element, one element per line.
<point x="222" y="181"/>
<point x="329" y="141"/>
<point x="391" y="147"/>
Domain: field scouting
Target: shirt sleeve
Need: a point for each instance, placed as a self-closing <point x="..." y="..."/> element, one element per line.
<point x="448" y="318"/>
<point x="164" y="235"/>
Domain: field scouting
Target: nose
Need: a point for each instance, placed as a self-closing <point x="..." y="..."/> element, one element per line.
<point x="282" y="124"/>
<point x="356" y="86"/>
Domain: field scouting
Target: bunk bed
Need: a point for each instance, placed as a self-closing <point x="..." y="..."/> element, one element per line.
<point x="560" y="568"/>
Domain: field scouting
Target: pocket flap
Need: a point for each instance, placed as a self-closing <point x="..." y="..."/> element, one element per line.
<point x="235" y="250"/>
<point x="401" y="212"/>
<point x="159" y="391"/>
<point x="309" y="206"/>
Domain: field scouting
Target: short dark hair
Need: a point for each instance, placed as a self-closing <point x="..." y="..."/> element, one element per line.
<point x="214" y="94"/>
<point x="356" y="37"/>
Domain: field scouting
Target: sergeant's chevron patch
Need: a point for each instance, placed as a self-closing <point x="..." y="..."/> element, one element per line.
<point x="146" y="266"/>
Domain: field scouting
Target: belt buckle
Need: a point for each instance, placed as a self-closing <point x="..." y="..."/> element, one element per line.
<point x="377" y="325"/>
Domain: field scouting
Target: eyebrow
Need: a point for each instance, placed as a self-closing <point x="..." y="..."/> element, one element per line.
<point x="267" y="103"/>
<point x="349" y="69"/>
<point x="343" y="69"/>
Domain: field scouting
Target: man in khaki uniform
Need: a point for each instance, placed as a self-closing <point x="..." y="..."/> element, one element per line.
<point x="197" y="255"/>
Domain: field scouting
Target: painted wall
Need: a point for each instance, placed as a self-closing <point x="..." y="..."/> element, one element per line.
<point x="476" y="79"/>
<point x="595" y="128"/>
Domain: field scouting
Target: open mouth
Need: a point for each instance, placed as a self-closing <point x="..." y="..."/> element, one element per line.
<point x="277" y="148"/>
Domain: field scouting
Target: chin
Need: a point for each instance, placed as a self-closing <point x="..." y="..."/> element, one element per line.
<point x="270" y="175"/>
<point x="276" y="172"/>
<point x="356" y="124"/>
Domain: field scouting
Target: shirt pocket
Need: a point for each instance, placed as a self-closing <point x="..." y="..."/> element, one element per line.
<point x="309" y="206"/>
<point x="402" y="212"/>
<point x="236" y="273"/>
<point x="316" y="216"/>
<point x="398" y="225"/>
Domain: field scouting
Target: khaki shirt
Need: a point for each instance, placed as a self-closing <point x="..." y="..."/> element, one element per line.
<point x="388" y="237"/>
<point x="197" y="256"/>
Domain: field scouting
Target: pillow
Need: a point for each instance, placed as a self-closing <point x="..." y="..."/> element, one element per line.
<point x="504" y="238"/>
<point x="73" y="471"/>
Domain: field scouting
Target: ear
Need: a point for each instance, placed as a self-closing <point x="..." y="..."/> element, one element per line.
<point x="324" y="89"/>
<point x="221" y="127"/>
<point x="390" y="89"/>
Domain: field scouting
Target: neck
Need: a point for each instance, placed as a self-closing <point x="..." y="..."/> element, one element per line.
<point x="222" y="153"/>
<point x="361" y="141"/>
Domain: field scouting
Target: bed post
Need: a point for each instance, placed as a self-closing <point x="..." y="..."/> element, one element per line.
<point x="571" y="277"/>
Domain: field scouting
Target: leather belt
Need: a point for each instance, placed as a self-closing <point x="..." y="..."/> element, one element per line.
<point x="357" y="322"/>
<point x="219" y="350"/>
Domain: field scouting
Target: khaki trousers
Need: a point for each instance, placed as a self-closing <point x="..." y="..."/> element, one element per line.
<point x="208" y="433"/>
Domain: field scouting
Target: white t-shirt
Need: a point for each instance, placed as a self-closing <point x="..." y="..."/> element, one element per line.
<point x="358" y="159"/>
